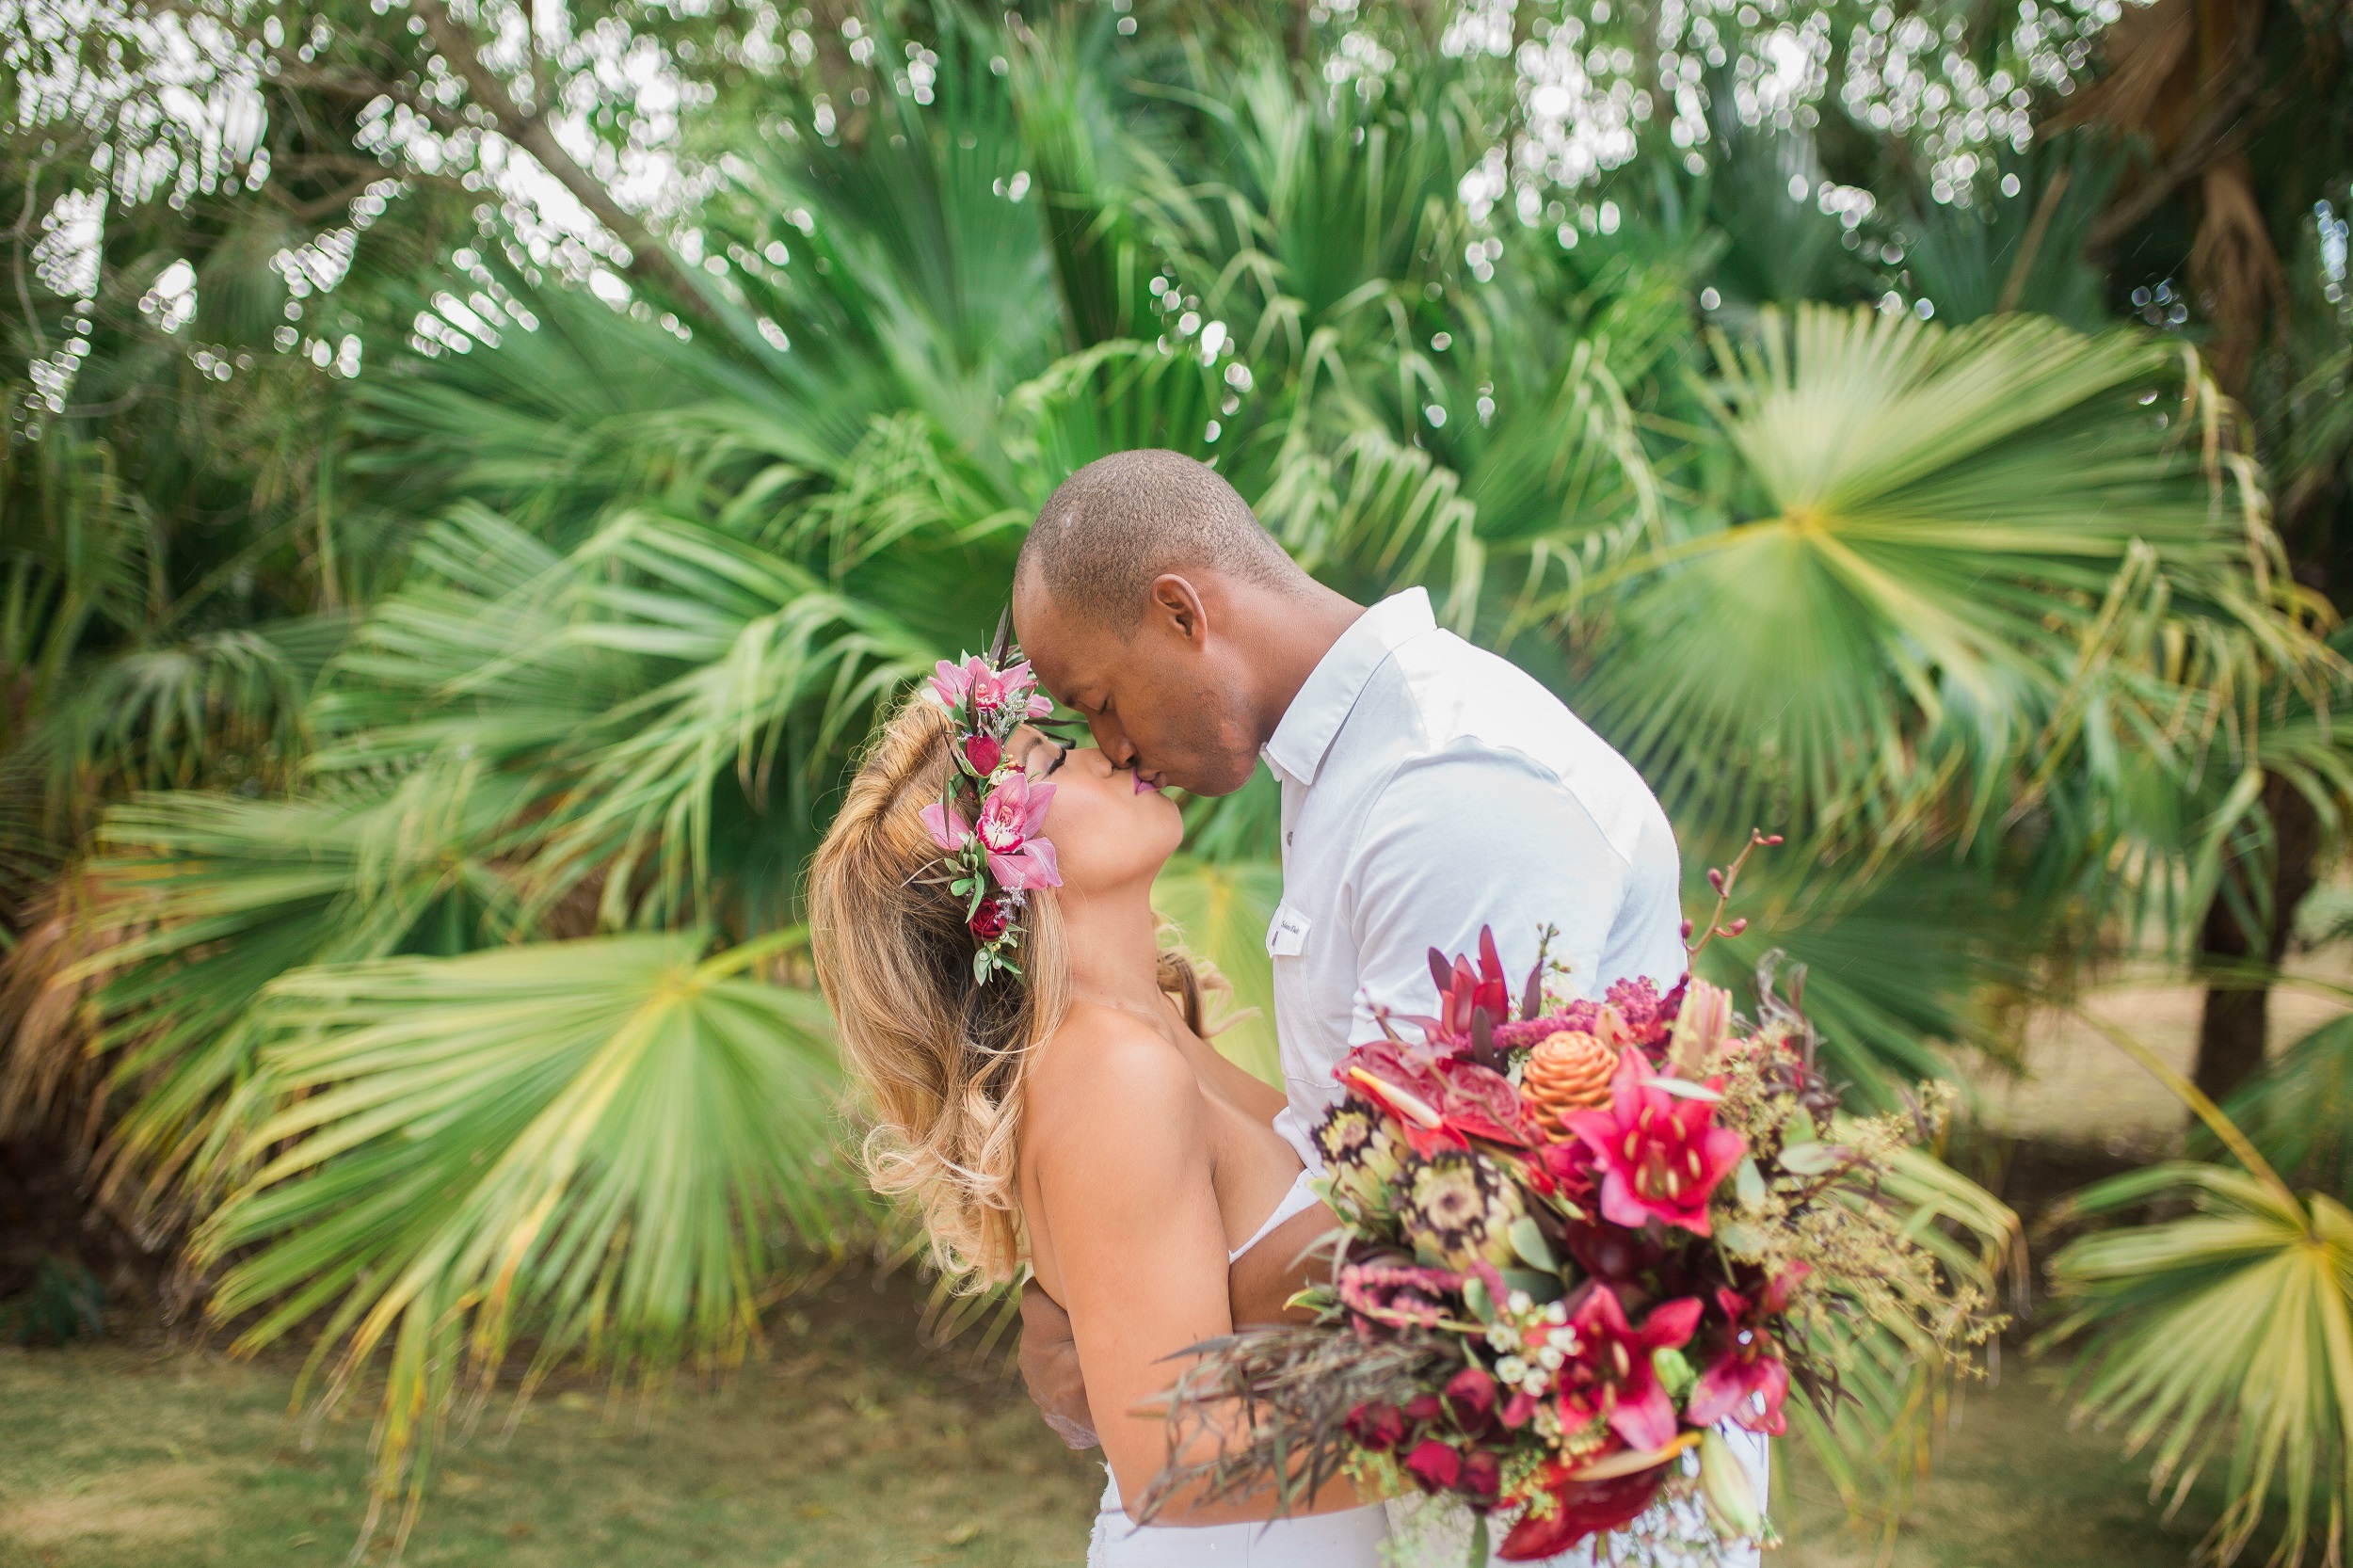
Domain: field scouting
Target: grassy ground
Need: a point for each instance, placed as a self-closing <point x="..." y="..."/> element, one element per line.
<point x="846" y="1448"/>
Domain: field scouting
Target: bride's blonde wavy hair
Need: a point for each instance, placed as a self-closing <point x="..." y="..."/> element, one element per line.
<point x="943" y="1062"/>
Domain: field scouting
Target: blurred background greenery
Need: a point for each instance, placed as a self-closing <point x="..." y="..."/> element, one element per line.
<point x="474" y="473"/>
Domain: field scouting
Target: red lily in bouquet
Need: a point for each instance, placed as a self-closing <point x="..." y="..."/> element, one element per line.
<point x="1574" y="1247"/>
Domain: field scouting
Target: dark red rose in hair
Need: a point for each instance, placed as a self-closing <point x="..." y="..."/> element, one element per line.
<point x="983" y="753"/>
<point x="989" y="920"/>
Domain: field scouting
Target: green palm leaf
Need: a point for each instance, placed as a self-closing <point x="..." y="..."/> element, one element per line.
<point x="200" y="901"/>
<point x="2228" y="1333"/>
<point x="2233" y="1327"/>
<point x="597" y="1144"/>
<point x="1937" y="519"/>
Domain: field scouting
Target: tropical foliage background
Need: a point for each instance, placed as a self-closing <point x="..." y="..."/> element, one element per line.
<point x="475" y="472"/>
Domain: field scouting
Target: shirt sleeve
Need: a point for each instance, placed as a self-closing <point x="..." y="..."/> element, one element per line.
<point x="1471" y="837"/>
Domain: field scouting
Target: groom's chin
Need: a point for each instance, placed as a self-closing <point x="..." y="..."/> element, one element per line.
<point x="1214" y="776"/>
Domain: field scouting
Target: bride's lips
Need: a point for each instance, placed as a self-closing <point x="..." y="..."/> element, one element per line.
<point x="1145" y="784"/>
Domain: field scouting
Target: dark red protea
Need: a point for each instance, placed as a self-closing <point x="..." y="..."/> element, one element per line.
<point x="1463" y="993"/>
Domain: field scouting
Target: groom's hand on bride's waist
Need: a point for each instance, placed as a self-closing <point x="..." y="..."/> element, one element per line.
<point x="1050" y="1364"/>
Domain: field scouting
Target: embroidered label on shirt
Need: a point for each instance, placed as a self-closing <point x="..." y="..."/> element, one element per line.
<point x="1287" y="937"/>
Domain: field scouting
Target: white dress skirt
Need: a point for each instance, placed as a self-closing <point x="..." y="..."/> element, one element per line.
<point x="1352" y="1538"/>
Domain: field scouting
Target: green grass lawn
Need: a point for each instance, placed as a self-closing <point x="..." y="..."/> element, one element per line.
<point x="847" y="1446"/>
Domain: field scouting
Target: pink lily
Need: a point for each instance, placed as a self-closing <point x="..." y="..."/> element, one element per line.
<point x="1660" y="1156"/>
<point x="949" y="829"/>
<point x="1749" y="1383"/>
<point x="1010" y="820"/>
<point x="1610" y="1374"/>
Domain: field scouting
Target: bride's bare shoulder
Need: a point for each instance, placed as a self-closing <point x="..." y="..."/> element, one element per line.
<point x="1106" y="1068"/>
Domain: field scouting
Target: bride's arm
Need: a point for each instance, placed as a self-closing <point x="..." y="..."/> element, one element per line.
<point x="1121" y="1161"/>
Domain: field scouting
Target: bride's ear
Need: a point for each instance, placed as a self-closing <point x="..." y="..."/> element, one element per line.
<point x="1176" y="607"/>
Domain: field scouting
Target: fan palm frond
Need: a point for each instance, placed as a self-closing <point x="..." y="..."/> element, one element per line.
<point x="597" y="1144"/>
<point x="1935" y="523"/>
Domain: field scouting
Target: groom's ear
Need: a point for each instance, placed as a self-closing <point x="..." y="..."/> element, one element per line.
<point x="1176" y="607"/>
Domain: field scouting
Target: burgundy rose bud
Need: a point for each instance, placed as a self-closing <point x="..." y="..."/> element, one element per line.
<point x="1376" y="1426"/>
<point x="989" y="920"/>
<point x="1423" y="1408"/>
<point x="1471" y="1394"/>
<point x="1433" y="1465"/>
<point x="983" y="753"/>
<point x="1482" y="1476"/>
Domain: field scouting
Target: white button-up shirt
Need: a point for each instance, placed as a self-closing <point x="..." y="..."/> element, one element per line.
<point x="1431" y="787"/>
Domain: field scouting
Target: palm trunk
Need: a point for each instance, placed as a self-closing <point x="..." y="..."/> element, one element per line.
<point x="2233" y="1029"/>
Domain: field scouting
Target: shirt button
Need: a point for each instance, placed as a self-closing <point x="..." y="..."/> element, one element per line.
<point x="1287" y="839"/>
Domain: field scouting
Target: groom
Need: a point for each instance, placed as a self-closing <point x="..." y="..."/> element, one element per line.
<point x="1428" y="787"/>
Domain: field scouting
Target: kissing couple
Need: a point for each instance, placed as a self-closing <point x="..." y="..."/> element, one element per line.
<point x="1035" y="1057"/>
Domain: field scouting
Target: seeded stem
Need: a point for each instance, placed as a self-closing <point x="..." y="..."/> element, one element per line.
<point x="1721" y="878"/>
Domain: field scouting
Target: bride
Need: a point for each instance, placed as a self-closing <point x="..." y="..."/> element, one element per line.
<point x="983" y="930"/>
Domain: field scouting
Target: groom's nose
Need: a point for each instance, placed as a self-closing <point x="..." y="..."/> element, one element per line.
<point x="1112" y="739"/>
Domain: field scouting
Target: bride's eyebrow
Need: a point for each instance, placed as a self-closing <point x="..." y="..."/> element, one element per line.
<point x="1030" y="752"/>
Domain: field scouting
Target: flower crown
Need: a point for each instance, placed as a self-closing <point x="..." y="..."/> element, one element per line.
<point x="994" y="863"/>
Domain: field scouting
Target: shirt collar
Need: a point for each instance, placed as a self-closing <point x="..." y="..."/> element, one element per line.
<point x="1309" y="725"/>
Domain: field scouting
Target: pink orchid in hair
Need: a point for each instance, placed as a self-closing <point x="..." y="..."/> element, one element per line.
<point x="951" y="682"/>
<point x="949" y="829"/>
<point x="1010" y="820"/>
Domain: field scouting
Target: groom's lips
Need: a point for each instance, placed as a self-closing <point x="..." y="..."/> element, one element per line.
<point x="1145" y="784"/>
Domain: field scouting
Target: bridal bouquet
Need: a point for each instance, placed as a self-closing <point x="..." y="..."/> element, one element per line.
<point x="1575" y="1241"/>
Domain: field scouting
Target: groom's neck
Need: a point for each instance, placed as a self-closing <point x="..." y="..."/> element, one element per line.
<point x="1285" y="633"/>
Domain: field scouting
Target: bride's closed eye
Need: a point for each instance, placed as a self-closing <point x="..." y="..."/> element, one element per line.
<point x="1052" y="751"/>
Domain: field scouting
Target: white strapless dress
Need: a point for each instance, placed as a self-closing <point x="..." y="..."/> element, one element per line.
<point x="1349" y="1539"/>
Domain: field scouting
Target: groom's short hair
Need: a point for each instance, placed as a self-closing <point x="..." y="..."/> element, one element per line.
<point x="1122" y="520"/>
